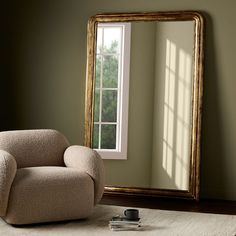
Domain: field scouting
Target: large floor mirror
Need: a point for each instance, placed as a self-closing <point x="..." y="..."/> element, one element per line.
<point x="143" y="101"/>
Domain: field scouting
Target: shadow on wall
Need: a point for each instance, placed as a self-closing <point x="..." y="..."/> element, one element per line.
<point x="212" y="179"/>
<point x="43" y="82"/>
<point x="7" y="84"/>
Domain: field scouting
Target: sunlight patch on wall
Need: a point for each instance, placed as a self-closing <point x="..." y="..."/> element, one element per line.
<point x="169" y="107"/>
<point x="177" y="112"/>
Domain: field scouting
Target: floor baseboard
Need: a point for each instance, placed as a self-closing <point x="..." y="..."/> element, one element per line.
<point x="203" y="205"/>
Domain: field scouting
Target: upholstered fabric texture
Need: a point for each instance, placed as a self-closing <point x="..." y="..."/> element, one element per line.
<point x="34" y="147"/>
<point x="7" y="173"/>
<point x="43" y="194"/>
<point x="36" y="185"/>
<point x="84" y="158"/>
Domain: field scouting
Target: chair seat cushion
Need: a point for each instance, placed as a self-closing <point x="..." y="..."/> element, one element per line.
<point x="43" y="194"/>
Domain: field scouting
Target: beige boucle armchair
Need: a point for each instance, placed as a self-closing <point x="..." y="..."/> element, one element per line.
<point x="44" y="179"/>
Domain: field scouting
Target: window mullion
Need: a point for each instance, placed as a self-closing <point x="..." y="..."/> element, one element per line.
<point x="119" y="102"/>
<point x="110" y="89"/>
<point x="100" y="97"/>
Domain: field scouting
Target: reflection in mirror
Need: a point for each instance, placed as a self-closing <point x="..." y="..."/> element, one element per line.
<point x="111" y="90"/>
<point x="163" y="100"/>
<point x="172" y="105"/>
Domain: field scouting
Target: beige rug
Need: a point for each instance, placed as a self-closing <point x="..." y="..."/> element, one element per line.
<point x="154" y="222"/>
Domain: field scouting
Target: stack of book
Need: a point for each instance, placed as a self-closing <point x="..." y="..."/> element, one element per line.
<point x="118" y="223"/>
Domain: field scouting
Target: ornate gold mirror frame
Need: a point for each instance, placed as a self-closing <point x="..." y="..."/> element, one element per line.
<point x="194" y="176"/>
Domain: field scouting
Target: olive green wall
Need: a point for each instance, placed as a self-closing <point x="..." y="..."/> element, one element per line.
<point x="136" y="170"/>
<point x="44" y="65"/>
<point x="171" y="110"/>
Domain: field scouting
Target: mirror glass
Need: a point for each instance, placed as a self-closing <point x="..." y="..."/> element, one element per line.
<point x="165" y="74"/>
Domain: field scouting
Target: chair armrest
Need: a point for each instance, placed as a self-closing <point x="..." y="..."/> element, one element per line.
<point x="87" y="160"/>
<point x="8" y="169"/>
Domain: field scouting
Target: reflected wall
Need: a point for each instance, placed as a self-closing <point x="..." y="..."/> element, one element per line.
<point x="172" y="105"/>
<point x="135" y="171"/>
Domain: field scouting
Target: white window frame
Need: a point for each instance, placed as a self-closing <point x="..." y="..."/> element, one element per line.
<point x="123" y="97"/>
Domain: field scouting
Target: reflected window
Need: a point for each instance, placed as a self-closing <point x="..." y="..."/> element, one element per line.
<point x="111" y="90"/>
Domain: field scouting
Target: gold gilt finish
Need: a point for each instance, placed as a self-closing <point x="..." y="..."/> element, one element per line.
<point x="194" y="181"/>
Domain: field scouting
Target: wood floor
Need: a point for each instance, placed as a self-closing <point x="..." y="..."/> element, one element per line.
<point x="204" y="205"/>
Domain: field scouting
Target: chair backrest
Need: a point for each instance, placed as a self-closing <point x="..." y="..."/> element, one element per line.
<point x="40" y="147"/>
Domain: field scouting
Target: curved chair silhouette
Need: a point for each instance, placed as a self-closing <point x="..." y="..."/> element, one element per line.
<point x="44" y="179"/>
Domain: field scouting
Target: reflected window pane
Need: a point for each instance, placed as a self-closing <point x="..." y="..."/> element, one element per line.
<point x="99" y="40"/>
<point x="96" y="105"/>
<point x="112" y="39"/>
<point x="95" y="136"/>
<point x="108" y="136"/>
<point x="98" y="71"/>
<point x="110" y="72"/>
<point x="109" y="106"/>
